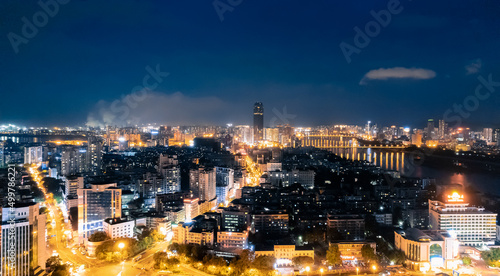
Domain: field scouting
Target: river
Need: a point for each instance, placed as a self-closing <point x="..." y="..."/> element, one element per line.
<point x="403" y="162"/>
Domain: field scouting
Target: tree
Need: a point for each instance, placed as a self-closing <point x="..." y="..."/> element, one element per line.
<point x="466" y="260"/>
<point x="368" y="253"/>
<point x="61" y="270"/>
<point x="98" y="236"/>
<point x="52" y="262"/>
<point x="244" y="261"/>
<point x="397" y="256"/>
<point x="264" y="263"/>
<point x="333" y="254"/>
<point x="491" y="257"/>
<point x="303" y="261"/>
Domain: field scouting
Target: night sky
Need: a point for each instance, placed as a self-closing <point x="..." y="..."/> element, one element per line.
<point x="285" y="54"/>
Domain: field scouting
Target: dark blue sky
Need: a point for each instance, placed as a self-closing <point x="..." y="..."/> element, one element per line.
<point x="283" y="53"/>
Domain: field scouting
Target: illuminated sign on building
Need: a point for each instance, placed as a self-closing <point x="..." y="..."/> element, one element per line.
<point x="455" y="197"/>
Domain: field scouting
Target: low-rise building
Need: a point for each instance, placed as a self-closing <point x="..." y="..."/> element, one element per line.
<point x="287" y="252"/>
<point x="349" y="227"/>
<point x="350" y="252"/>
<point x="232" y="239"/>
<point x="119" y="228"/>
<point x="426" y="250"/>
<point x="270" y="223"/>
<point x="183" y="233"/>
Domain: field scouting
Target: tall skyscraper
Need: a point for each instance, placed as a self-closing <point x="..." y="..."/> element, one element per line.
<point x="33" y="155"/>
<point x="100" y="202"/>
<point x="258" y="122"/>
<point x="443" y="129"/>
<point x="430" y="129"/>
<point x="23" y="246"/>
<point x="488" y="135"/>
<point x="94" y="155"/>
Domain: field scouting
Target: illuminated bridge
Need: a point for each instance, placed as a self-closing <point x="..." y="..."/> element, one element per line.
<point x="337" y="141"/>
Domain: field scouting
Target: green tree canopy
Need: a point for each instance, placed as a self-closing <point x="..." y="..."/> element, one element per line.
<point x="368" y="253"/>
<point x="333" y="254"/>
<point x="303" y="261"/>
<point x="98" y="236"/>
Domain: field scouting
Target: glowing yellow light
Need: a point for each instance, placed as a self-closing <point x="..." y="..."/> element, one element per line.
<point x="455" y="197"/>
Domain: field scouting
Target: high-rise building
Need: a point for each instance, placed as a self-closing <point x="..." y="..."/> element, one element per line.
<point x="73" y="160"/>
<point x="168" y="167"/>
<point x="488" y="135"/>
<point x="473" y="226"/>
<point x="2" y="158"/>
<point x="431" y="133"/>
<point x="100" y="202"/>
<point x="496" y="136"/>
<point x="202" y="182"/>
<point x="33" y="155"/>
<point x="23" y="247"/>
<point x="271" y="134"/>
<point x="258" y="122"/>
<point x="224" y="182"/>
<point x="443" y="129"/>
<point x="416" y="138"/>
<point x="73" y="183"/>
<point x="94" y="155"/>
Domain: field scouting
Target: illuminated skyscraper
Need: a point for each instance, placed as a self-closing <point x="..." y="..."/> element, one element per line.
<point x="258" y="122"/>
<point x="33" y="155"/>
<point x="100" y="202"/>
<point x="443" y="129"/>
<point x="23" y="248"/>
<point x="430" y="129"/>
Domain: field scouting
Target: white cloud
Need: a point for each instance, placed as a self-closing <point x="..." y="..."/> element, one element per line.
<point x="397" y="73"/>
<point x="474" y="66"/>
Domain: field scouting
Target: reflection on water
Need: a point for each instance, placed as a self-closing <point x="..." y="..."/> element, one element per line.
<point x="388" y="160"/>
<point x="406" y="164"/>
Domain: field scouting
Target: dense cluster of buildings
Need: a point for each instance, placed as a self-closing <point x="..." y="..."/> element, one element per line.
<point x="276" y="190"/>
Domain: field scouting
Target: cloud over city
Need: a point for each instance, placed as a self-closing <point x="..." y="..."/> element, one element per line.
<point x="397" y="73"/>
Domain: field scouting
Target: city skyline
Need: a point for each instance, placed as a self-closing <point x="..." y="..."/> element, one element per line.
<point x="249" y="137"/>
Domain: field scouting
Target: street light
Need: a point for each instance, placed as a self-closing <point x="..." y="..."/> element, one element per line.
<point x="357" y="270"/>
<point x="308" y="269"/>
<point x="374" y="268"/>
<point x="121" y="246"/>
<point x="321" y="271"/>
